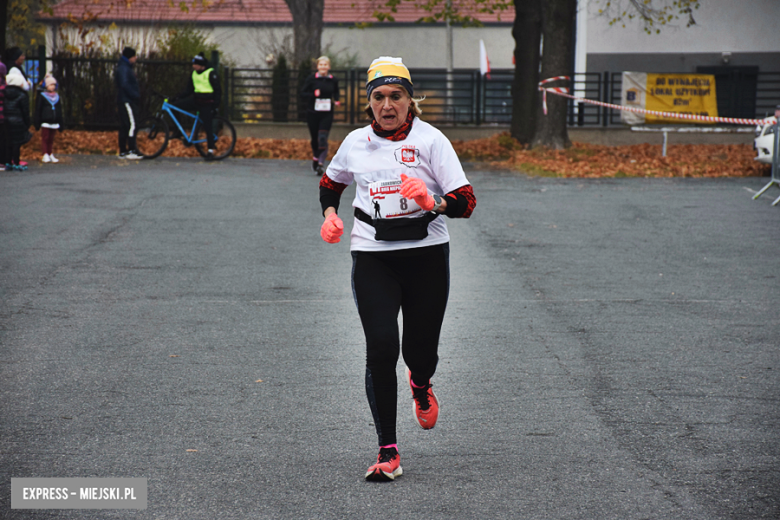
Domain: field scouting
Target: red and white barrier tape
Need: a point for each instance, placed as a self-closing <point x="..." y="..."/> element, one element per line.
<point x="564" y="91"/>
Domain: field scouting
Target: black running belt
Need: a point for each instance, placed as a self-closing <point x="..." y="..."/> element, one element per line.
<point x="363" y="217"/>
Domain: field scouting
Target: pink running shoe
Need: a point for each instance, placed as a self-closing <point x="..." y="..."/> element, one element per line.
<point x="387" y="467"/>
<point x="426" y="405"/>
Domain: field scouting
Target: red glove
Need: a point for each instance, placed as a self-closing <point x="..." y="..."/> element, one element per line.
<point x="332" y="229"/>
<point x="414" y="188"/>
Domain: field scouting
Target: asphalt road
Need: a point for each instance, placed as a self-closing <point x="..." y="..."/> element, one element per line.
<point x="610" y="349"/>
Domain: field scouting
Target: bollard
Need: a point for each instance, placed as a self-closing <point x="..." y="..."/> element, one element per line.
<point x="666" y="139"/>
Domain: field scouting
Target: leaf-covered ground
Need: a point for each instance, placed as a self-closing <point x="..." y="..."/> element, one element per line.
<point x="581" y="160"/>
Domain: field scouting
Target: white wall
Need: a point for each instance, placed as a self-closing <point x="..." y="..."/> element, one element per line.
<point x="419" y="46"/>
<point x="425" y="47"/>
<point x="721" y="25"/>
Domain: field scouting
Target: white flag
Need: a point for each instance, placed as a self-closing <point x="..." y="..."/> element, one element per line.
<point x="484" y="62"/>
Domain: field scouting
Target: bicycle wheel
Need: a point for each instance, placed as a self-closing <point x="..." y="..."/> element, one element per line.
<point x="224" y="138"/>
<point x="152" y="137"/>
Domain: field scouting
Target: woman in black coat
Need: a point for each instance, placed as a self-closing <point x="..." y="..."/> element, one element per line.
<point x="17" y="118"/>
<point x="320" y="94"/>
<point x="3" y="135"/>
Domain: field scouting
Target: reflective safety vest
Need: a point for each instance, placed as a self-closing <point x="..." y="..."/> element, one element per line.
<point x="201" y="82"/>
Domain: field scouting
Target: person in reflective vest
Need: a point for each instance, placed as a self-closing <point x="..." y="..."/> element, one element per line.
<point x="203" y="95"/>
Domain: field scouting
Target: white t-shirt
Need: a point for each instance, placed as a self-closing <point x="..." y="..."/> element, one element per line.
<point x="366" y="158"/>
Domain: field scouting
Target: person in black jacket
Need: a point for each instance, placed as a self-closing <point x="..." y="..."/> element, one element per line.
<point x="3" y="134"/>
<point x="202" y="94"/>
<point x="320" y="93"/>
<point x="16" y="111"/>
<point x="14" y="60"/>
<point x="127" y="97"/>
<point x="48" y="117"/>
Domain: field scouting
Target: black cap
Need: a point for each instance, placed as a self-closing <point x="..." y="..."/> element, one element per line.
<point x="12" y="54"/>
<point x="200" y="59"/>
<point x="128" y="52"/>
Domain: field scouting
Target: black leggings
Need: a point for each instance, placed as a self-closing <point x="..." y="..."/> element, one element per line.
<point x="319" y="128"/>
<point x="5" y="145"/>
<point x="16" y="154"/>
<point x="416" y="281"/>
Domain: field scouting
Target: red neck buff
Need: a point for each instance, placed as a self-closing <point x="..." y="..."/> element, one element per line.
<point x="399" y="134"/>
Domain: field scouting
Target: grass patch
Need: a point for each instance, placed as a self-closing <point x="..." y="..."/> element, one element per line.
<point x="532" y="169"/>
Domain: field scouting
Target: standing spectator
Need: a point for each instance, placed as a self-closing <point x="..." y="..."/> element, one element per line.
<point x="3" y="134"/>
<point x="17" y="119"/>
<point x="203" y="94"/>
<point x="14" y="63"/>
<point x="127" y="97"/>
<point x="48" y="117"/>
<point x="320" y="92"/>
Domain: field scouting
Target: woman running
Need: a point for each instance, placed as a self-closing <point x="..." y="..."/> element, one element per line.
<point x="320" y="93"/>
<point x="407" y="175"/>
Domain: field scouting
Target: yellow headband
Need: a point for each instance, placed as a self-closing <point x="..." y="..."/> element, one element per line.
<point x="387" y="66"/>
<point x="388" y="71"/>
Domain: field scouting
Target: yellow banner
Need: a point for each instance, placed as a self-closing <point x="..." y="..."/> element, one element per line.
<point x="681" y="93"/>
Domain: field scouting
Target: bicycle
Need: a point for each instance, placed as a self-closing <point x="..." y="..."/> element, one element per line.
<point x="153" y="133"/>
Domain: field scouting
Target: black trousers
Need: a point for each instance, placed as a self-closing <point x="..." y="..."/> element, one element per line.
<point x="16" y="154"/>
<point x="128" y="121"/>
<point x="5" y="154"/>
<point x="415" y="281"/>
<point x="206" y="114"/>
<point x="319" y="128"/>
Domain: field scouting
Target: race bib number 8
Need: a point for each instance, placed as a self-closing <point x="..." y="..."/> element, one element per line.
<point x="387" y="202"/>
<point x="322" y="105"/>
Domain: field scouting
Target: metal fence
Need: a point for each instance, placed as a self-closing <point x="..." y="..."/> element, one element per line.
<point x="459" y="97"/>
<point x="86" y="86"/>
<point x="767" y="93"/>
<point x="462" y="97"/>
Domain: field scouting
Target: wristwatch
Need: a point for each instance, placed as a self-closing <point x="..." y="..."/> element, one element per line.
<point x="437" y="200"/>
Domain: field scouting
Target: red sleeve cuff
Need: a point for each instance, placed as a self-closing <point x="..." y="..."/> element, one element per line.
<point x="461" y="202"/>
<point x="327" y="182"/>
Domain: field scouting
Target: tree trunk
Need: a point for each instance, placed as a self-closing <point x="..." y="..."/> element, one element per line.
<point x="3" y="25"/>
<point x="527" y="32"/>
<point x="307" y="28"/>
<point x="559" y="21"/>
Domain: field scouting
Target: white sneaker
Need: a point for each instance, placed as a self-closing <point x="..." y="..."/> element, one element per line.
<point x="133" y="155"/>
<point x="46" y="158"/>
<point x="53" y="159"/>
